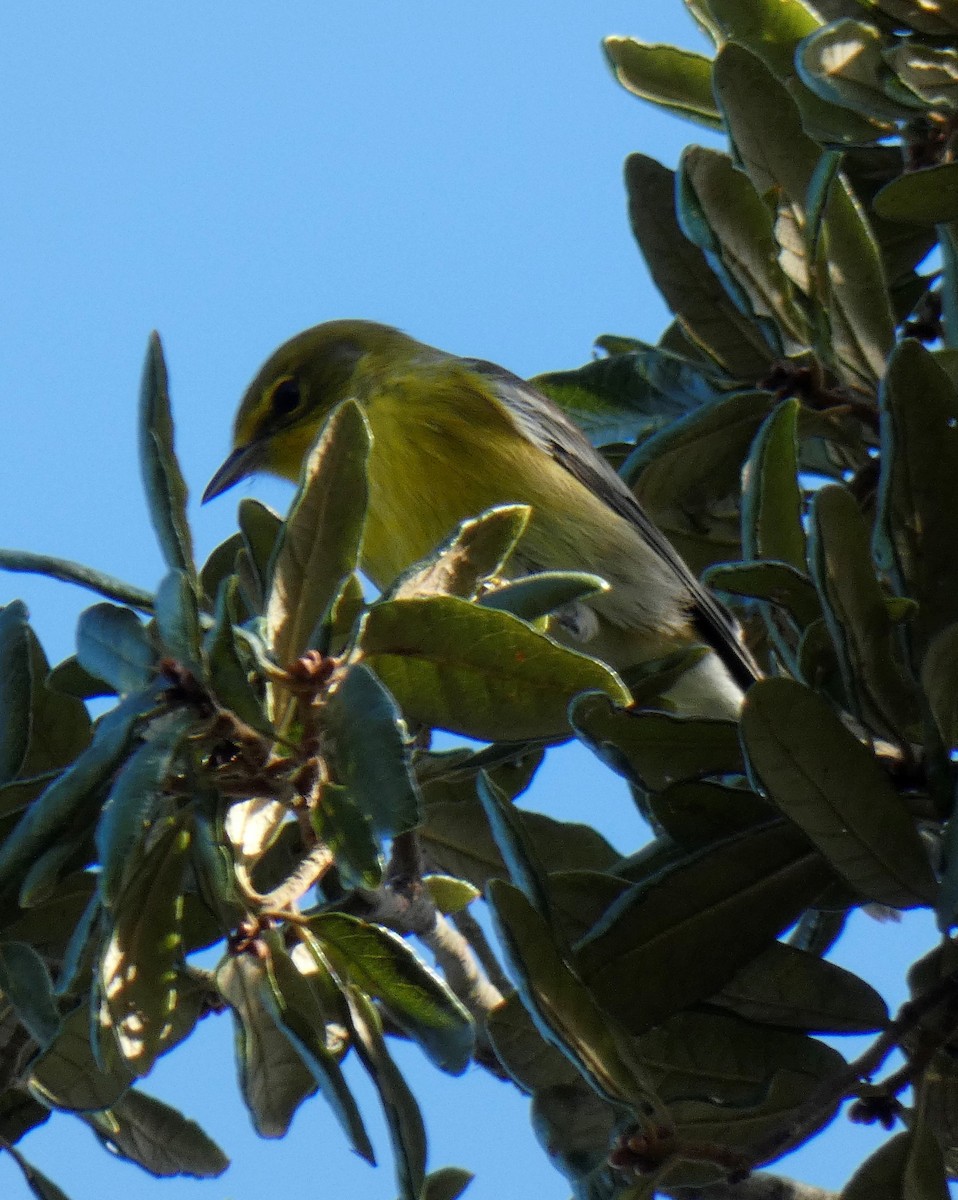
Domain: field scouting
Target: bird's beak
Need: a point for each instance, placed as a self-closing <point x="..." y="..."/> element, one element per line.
<point x="242" y="462"/>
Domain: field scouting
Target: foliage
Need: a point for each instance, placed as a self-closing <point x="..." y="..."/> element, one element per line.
<point x="261" y="781"/>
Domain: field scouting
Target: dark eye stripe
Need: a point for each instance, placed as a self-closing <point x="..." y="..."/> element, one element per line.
<point x="285" y="398"/>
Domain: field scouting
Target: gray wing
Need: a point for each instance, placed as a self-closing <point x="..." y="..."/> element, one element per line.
<point x="547" y="426"/>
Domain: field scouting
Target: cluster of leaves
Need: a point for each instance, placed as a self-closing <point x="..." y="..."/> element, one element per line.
<point x="264" y="781"/>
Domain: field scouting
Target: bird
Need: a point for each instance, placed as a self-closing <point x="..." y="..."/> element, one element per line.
<point x="453" y="437"/>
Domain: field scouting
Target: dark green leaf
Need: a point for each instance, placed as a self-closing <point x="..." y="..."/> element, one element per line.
<point x="448" y="1183"/>
<point x="402" y="1114"/>
<point x="158" y="1138"/>
<point x="320" y="542"/>
<point x="220" y="564"/>
<point x="261" y="528"/>
<point x="928" y="195"/>
<point x="771" y="495"/>
<point x="166" y="492"/>
<point x="563" y="1009"/>
<point x="825" y="780"/>
<point x="531" y="1061"/>
<point x="680" y="938"/>
<point x="138" y="967"/>
<point x="342" y="824"/>
<point x="67" y="1075"/>
<point x="70" y="679"/>
<point x="938" y="674"/>
<point x="696" y="812"/>
<point x="273" y="1077"/>
<point x="538" y="595"/>
<point x="477" y="671"/>
<point x="654" y="749"/>
<point x="60" y="727"/>
<point x="178" y="621"/>
<point x="519" y="852"/>
<point x="385" y="967"/>
<point x="113" y="645"/>
<point x="15" y="689"/>
<point x="369" y="751"/>
<point x="42" y="1187"/>
<point x="72" y="572"/>
<point x="26" y="985"/>
<point x="228" y="673"/>
<point x="774" y="582"/>
<point x="135" y="797"/>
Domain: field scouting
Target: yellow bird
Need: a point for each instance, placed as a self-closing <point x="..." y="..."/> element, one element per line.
<point x="454" y="436"/>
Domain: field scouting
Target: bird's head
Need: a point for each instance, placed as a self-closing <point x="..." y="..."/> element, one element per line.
<point x="294" y="392"/>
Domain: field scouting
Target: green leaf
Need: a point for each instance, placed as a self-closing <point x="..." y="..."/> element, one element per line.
<point x="42" y="1187"/>
<point x="369" y="751"/>
<point x="518" y="851"/>
<point x="229" y="675"/>
<point x="113" y="645"/>
<point x="531" y="1061"/>
<point x="918" y="487"/>
<point x="693" y="926"/>
<point x="537" y="595"/>
<point x="320" y="542"/>
<point x="385" y="967"/>
<point x="143" y="1130"/>
<point x="628" y="394"/>
<point x="855" y="291"/>
<point x="348" y="830"/>
<point x="297" y="1011"/>
<point x="696" y="812"/>
<point x="476" y="671"/>
<point x="448" y="1183"/>
<point x="476" y="551"/>
<point x="772" y="30"/>
<point x="938" y="674"/>
<point x="654" y="749"/>
<point x="178" y="621"/>
<point x="60" y="726"/>
<point x="450" y="895"/>
<point x="137" y="794"/>
<point x="680" y="81"/>
<point x="722" y="213"/>
<point x="854" y="603"/>
<point x="261" y="529"/>
<point x="791" y="988"/>
<point x="70" y="679"/>
<point x="26" y="986"/>
<point x="771" y="494"/>
<point x="774" y="582"/>
<point x="166" y="492"/>
<point x="67" y="1075"/>
<point x="402" y="1114"/>
<point x="563" y="1009"/>
<point x="927" y="195"/>
<point x="826" y="781"/>
<point x="220" y="564"/>
<point x="138" y="967"/>
<point x="883" y="1174"/>
<point x="15" y="689"/>
<point x="844" y="63"/>
<point x="76" y="795"/>
<point x="72" y="572"/>
<point x="273" y="1077"/>
<point x="706" y="313"/>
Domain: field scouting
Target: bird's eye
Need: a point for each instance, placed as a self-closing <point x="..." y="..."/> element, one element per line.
<point x="285" y="398"/>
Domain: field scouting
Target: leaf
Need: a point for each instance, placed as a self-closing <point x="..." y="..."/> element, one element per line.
<point x="938" y="673"/>
<point x="319" y="545"/>
<point x="26" y="986"/>
<point x="679" y="938"/>
<point x="826" y="781"/>
<point x="450" y="895"/>
<point x="135" y="797"/>
<point x="113" y="645"/>
<point x="680" y="81"/>
<point x="220" y="564"/>
<point x="844" y="63"/>
<point x="477" y="550"/>
<point x="927" y="195"/>
<point x="561" y="1006"/>
<point x="348" y="831"/>
<point x="402" y="1114"/>
<point x="476" y="671"/>
<point x="448" y="1183"/>
<point x="918" y="487"/>
<point x="532" y="1063"/>
<point x="166" y="492"/>
<point x="229" y="675"/>
<point x="70" y="679"/>
<point x="15" y="689"/>
<point x="883" y="1173"/>
<point x="178" y="621"/>
<point x="774" y="582"/>
<point x="76" y="794"/>
<point x="706" y="312"/>
<point x="856" y="293"/>
<point x="537" y="595"/>
<point x="42" y="1187"/>
<point x="386" y="968"/>
<point x="67" y="1076"/>
<point x="60" y="726"/>
<point x="297" y="1011"/>
<point x="856" y="614"/>
<point x="722" y="213"/>
<point x="158" y="1138"/>
<point x="653" y="749"/>
<point x="72" y="572"/>
<point x="771" y="494"/>
<point x="261" y="529"/>
<point x="140" y="956"/>
<point x="369" y="751"/>
<point x="695" y="812"/>
<point x="791" y="988"/>
<point x="273" y="1077"/>
<point x="520" y="854"/>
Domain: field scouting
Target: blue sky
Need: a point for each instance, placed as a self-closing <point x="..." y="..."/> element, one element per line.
<point x="230" y="174"/>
